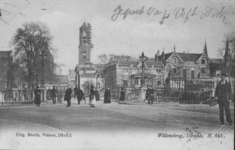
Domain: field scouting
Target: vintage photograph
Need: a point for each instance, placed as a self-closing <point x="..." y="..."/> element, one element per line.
<point x="117" y="74"/>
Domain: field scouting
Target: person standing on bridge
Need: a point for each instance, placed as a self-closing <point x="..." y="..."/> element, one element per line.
<point x="67" y="96"/>
<point x="223" y="93"/>
<point x="92" y="97"/>
<point x="37" y="98"/>
<point x="80" y="95"/>
<point x="107" y="96"/>
<point x="147" y="95"/>
<point x="54" y="93"/>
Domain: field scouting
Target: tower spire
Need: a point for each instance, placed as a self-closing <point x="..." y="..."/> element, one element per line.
<point x="205" y="49"/>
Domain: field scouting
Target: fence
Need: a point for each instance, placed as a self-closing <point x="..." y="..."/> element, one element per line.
<point x="12" y="97"/>
<point x="193" y="94"/>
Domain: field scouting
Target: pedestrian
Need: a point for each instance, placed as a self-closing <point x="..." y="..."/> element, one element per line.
<point x="107" y="96"/>
<point x="97" y="95"/>
<point x="147" y="94"/>
<point x="54" y="94"/>
<point x="37" y="98"/>
<point x="67" y="96"/>
<point x="92" y="101"/>
<point x="223" y="92"/>
<point x="122" y="96"/>
<point x="80" y="95"/>
<point x="75" y="90"/>
<point x="151" y="95"/>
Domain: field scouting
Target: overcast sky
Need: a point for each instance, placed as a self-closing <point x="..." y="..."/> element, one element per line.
<point x="209" y="20"/>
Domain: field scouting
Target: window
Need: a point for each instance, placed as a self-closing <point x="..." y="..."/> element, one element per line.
<point x="174" y="70"/>
<point x="192" y="73"/>
<point x="125" y="83"/>
<point x="203" y="61"/>
<point x="185" y="73"/>
<point x="136" y="81"/>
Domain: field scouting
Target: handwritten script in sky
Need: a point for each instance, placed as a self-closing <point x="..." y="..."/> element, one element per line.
<point x="177" y="13"/>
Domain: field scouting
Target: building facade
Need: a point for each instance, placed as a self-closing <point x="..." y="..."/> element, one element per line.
<point x="127" y="73"/>
<point x="5" y="62"/>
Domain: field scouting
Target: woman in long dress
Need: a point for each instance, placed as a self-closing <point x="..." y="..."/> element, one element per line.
<point x="122" y="96"/>
<point x="107" y="96"/>
<point x="37" y="99"/>
<point x="92" y="101"/>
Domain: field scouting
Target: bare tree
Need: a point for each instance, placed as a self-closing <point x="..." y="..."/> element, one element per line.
<point x="29" y="41"/>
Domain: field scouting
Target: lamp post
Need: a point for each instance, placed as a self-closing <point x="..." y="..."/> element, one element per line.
<point x="142" y="59"/>
<point x="43" y="55"/>
<point x="43" y="88"/>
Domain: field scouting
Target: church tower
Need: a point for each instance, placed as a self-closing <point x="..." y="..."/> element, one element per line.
<point x="85" y="44"/>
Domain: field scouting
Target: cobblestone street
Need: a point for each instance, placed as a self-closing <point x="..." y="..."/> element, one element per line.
<point x="123" y="126"/>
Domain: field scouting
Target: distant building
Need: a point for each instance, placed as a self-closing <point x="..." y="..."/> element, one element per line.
<point x="5" y="61"/>
<point x="60" y="82"/>
<point x="125" y="73"/>
<point x="181" y="67"/>
<point x="87" y="73"/>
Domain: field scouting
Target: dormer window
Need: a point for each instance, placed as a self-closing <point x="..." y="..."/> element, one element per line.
<point x="203" y="61"/>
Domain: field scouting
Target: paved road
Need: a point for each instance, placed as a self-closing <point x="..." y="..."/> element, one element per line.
<point x="113" y="126"/>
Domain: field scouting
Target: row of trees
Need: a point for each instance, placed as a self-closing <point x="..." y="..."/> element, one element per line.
<point x="29" y="42"/>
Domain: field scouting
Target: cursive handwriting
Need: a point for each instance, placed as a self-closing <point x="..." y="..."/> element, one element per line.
<point x="182" y="13"/>
<point x="178" y="13"/>
<point x="119" y="11"/>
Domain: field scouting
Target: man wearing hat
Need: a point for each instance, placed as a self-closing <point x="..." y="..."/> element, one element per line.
<point x="147" y="94"/>
<point x="223" y="92"/>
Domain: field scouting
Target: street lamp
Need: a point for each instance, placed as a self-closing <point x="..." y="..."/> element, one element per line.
<point x="43" y="55"/>
<point x="143" y="59"/>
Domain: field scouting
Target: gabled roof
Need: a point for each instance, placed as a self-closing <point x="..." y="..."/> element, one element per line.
<point x="189" y="56"/>
<point x="167" y="55"/>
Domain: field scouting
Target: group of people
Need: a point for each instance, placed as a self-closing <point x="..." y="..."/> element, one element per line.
<point x="93" y="96"/>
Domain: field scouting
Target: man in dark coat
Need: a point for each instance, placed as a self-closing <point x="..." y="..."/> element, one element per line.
<point x="151" y="96"/>
<point x="107" y="96"/>
<point x="223" y="92"/>
<point x="80" y="95"/>
<point x="54" y="93"/>
<point x="147" y="94"/>
<point x="67" y="96"/>
<point x="37" y="98"/>
<point x="75" y="90"/>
